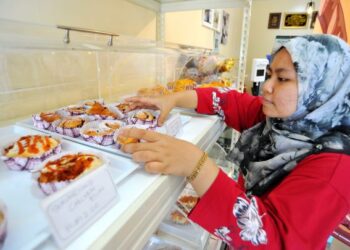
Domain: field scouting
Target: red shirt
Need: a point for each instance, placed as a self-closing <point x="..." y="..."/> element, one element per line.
<point x="299" y="213"/>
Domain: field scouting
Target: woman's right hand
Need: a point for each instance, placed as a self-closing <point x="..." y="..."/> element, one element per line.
<point x="163" y="103"/>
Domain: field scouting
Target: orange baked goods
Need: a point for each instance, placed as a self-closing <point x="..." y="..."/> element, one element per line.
<point x="188" y="201"/>
<point x="44" y="120"/>
<point x="58" y="173"/>
<point x="99" y="111"/>
<point x="123" y="107"/>
<point x="179" y="218"/>
<point x="182" y="85"/>
<point x="154" y="91"/>
<point x="144" y="117"/>
<point x="122" y="140"/>
<point x="29" y="151"/>
<point x="76" y="110"/>
<point x="100" y="132"/>
<point x="69" y="126"/>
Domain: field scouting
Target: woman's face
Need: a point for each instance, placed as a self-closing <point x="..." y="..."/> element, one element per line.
<point x="280" y="91"/>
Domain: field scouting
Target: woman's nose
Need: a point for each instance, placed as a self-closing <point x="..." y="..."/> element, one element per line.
<point x="268" y="86"/>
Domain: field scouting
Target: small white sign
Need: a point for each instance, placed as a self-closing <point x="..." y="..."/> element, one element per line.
<point x="173" y="125"/>
<point x="73" y="209"/>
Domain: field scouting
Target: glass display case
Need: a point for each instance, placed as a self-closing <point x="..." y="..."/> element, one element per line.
<point x="45" y="68"/>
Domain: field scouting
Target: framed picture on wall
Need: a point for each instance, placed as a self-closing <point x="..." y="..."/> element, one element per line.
<point x="208" y="18"/>
<point x="216" y="20"/>
<point x="274" y="21"/>
<point x="313" y="19"/>
<point x="295" y="20"/>
<point x="224" y="27"/>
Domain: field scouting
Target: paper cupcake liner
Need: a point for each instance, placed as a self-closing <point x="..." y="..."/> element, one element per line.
<point x="29" y="163"/>
<point x="42" y="124"/>
<point x="132" y="120"/>
<point x="54" y="186"/>
<point x="3" y="224"/>
<point x="66" y="112"/>
<point x="118" y="114"/>
<point x="104" y="140"/>
<point x="71" y="132"/>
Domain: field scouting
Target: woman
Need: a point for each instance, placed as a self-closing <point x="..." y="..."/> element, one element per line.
<point x="293" y="152"/>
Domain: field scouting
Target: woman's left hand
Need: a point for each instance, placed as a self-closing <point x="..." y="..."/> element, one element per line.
<point x="161" y="153"/>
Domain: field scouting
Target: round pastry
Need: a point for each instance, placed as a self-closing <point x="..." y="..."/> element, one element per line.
<point x="59" y="172"/>
<point x="123" y="107"/>
<point x="69" y="126"/>
<point x="188" y="201"/>
<point x="144" y="117"/>
<point x="3" y="224"/>
<point x="75" y="110"/>
<point x="89" y="103"/>
<point x="100" y="132"/>
<point x="101" y="112"/>
<point x="44" y="120"/>
<point x="179" y="218"/>
<point x="27" y="152"/>
<point x="120" y="140"/>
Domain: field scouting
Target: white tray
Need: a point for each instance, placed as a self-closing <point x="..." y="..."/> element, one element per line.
<point x="27" y="225"/>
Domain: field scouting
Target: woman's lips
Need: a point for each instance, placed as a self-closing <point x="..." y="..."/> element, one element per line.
<point x="266" y="101"/>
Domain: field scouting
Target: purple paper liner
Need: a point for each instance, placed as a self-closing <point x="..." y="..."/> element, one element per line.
<point x="42" y="124"/>
<point x="29" y="163"/>
<point x="132" y="120"/>
<point x="52" y="187"/>
<point x="101" y="117"/>
<point x="104" y="140"/>
<point x="72" y="132"/>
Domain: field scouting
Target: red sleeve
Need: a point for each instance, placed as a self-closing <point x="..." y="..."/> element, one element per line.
<point x="240" y="111"/>
<point x="300" y="213"/>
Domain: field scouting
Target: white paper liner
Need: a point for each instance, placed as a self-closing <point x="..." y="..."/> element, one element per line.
<point x="28" y="163"/>
<point x="52" y="187"/>
<point x="72" y="132"/>
<point x="42" y="124"/>
<point x="116" y="134"/>
<point x="132" y="120"/>
<point x="3" y="224"/>
<point x="104" y="140"/>
<point x="119" y="115"/>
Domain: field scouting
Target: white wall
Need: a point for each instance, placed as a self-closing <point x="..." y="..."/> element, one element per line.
<point x="261" y="38"/>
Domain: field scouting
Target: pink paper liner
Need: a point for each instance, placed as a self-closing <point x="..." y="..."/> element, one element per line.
<point x="42" y="124"/>
<point x="72" y="132"/>
<point x="29" y="163"/>
<point x="132" y="120"/>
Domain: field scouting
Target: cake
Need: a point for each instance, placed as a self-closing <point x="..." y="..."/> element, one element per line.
<point x="59" y="172"/>
<point x="44" y="120"/>
<point x="100" y="132"/>
<point x="144" y="117"/>
<point x="69" y="126"/>
<point x="179" y="218"/>
<point x="28" y="151"/>
<point x="101" y="112"/>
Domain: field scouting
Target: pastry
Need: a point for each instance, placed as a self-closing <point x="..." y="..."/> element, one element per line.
<point x="188" y="202"/>
<point x="122" y="140"/>
<point x="44" y="120"/>
<point x="179" y="218"/>
<point x="3" y="224"/>
<point x="100" y="132"/>
<point x="76" y="110"/>
<point x="144" y="117"/>
<point x="123" y="107"/>
<point x="58" y="173"/>
<point x="27" y="152"/>
<point x="101" y="112"/>
<point x="154" y="91"/>
<point x="69" y="126"/>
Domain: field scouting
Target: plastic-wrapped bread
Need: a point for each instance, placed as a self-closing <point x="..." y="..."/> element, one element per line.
<point x="29" y="151"/>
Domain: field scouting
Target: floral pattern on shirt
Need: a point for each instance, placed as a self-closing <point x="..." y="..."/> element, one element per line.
<point x="216" y="106"/>
<point x="222" y="233"/>
<point x="249" y="220"/>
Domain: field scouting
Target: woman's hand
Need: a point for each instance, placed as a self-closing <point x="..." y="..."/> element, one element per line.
<point x="167" y="155"/>
<point x="161" y="153"/>
<point x="164" y="103"/>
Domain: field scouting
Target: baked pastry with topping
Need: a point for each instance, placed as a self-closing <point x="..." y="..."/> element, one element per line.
<point x="44" y="120"/>
<point x="100" y="132"/>
<point x="101" y="112"/>
<point x="29" y="151"/>
<point x="122" y="140"/>
<point x="69" y="126"/>
<point x="59" y="172"/>
<point x="3" y="224"/>
<point x="188" y="202"/>
<point x="123" y="107"/>
<point x="144" y="117"/>
<point x="75" y="110"/>
<point x="178" y="218"/>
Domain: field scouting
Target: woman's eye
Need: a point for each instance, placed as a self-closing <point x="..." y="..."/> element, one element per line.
<point x="281" y="79"/>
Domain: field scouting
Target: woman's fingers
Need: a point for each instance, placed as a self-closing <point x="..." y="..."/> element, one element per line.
<point x="134" y="147"/>
<point x="141" y="134"/>
<point x="155" y="167"/>
<point x="145" y="156"/>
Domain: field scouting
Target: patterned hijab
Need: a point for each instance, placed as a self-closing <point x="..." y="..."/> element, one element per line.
<point x="267" y="152"/>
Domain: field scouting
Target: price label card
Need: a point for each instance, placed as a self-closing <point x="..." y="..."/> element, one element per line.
<point x="173" y="125"/>
<point x="73" y="209"/>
